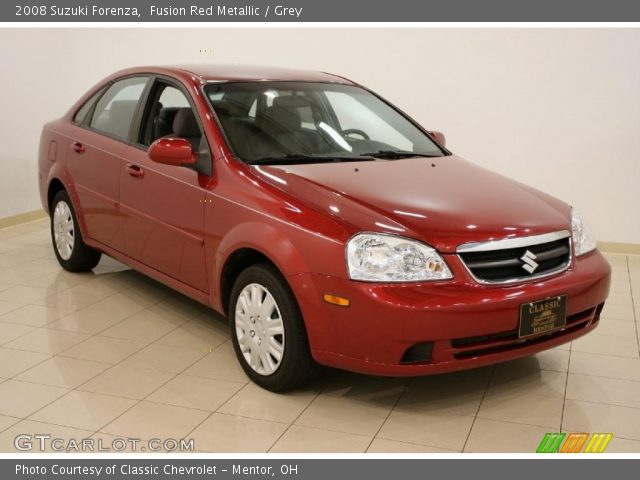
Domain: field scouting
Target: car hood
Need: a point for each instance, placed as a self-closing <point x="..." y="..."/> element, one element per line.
<point x="444" y="201"/>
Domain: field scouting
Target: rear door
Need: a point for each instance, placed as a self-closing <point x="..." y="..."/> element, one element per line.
<point x="96" y="149"/>
<point x="163" y="205"/>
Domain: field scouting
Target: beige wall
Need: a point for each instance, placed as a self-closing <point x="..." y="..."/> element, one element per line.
<point x="558" y="109"/>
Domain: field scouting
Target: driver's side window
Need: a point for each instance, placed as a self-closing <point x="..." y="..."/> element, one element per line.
<point x="169" y="114"/>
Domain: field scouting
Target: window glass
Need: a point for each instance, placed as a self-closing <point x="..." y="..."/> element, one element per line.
<point x="265" y="121"/>
<point x="115" y="110"/>
<point x="170" y="115"/>
<point x="84" y="109"/>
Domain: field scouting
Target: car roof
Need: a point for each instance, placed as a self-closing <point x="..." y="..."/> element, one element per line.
<point x="228" y="72"/>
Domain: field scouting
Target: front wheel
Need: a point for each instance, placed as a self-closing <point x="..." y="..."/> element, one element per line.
<point x="268" y="332"/>
<point x="72" y="253"/>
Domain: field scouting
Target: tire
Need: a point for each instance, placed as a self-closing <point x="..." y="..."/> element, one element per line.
<point x="295" y="367"/>
<point x="72" y="253"/>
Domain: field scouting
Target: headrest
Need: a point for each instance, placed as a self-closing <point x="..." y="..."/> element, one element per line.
<point x="291" y="102"/>
<point x="122" y="108"/>
<point x="168" y="114"/>
<point x="185" y="124"/>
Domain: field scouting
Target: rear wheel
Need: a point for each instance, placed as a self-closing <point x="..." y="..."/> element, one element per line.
<point x="267" y="330"/>
<point x="71" y="251"/>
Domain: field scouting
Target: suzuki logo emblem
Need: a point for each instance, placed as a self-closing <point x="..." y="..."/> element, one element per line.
<point x="528" y="259"/>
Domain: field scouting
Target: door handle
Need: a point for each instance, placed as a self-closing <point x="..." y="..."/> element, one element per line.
<point x="77" y="147"/>
<point x="135" y="170"/>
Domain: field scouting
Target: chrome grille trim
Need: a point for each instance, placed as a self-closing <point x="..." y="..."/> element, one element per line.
<point x="517" y="242"/>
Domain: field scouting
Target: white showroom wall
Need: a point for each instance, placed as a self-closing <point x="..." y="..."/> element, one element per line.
<point x="558" y="109"/>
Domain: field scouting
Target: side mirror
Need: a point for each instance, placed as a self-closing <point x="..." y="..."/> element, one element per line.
<point x="439" y="137"/>
<point x="172" y="151"/>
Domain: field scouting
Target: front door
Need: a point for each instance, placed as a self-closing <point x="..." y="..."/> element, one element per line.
<point x="163" y="205"/>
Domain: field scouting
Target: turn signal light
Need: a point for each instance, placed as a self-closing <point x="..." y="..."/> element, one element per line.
<point x="335" y="300"/>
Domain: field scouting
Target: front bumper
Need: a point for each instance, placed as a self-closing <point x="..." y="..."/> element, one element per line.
<point x="468" y="324"/>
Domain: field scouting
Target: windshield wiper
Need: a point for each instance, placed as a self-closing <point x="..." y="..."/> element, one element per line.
<point x="396" y="154"/>
<point x="294" y="158"/>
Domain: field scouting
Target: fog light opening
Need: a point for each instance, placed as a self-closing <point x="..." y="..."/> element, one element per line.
<point x="418" y="353"/>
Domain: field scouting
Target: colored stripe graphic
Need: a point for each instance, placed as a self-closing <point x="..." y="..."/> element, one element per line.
<point x="598" y="442"/>
<point x="574" y="442"/>
<point x="550" y="442"/>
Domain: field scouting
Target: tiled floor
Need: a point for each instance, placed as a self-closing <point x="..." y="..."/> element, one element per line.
<point x="113" y="354"/>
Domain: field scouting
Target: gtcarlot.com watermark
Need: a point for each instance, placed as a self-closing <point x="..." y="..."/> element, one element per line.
<point x="47" y="443"/>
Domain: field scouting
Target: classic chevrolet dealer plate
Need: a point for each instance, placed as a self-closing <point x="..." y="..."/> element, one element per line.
<point x="543" y="316"/>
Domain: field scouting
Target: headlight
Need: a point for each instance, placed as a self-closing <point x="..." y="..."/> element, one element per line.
<point x="583" y="241"/>
<point x="386" y="258"/>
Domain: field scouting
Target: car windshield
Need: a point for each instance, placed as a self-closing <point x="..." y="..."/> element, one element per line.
<point x="306" y="122"/>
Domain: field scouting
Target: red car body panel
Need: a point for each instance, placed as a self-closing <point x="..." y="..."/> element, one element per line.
<point x="180" y="227"/>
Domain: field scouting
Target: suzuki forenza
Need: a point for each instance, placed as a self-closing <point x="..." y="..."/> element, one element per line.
<point x="327" y="225"/>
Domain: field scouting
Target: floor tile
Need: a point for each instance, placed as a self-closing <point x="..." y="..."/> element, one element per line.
<point x="34" y="315"/>
<point x="605" y="366"/>
<point x="146" y="326"/>
<point x="442" y="430"/>
<point x="457" y="393"/>
<point x="13" y="362"/>
<point x="23" y="294"/>
<point x="311" y="440"/>
<point x="153" y="420"/>
<point x="255" y="402"/>
<point x="10" y="331"/>
<point x="76" y="298"/>
<point x="555" y="359"/>
<point x="104" y="349"/>
<point x="34" y="444"/>
<point x="218" y="364"/>
<point x="8" y="307"/>
<point x="228" y="433"/>
<point x="617" y="312"/>
<point x="504" y="437"/>
<point x="15" y="276"/>
<point x="582" y="416"/>
<point x="63" y="372"/>
<point x="164" y="358"/>
<point x="616" y="328"/>
<point x="523" y="381"/>
<point x="621" y="445"/>
<point x="607" y="345"/>
<point x="604" y="390"/>
<point x="127" y="382"/>
<point x="195" y="392"/>
<point x="380" y="445"/>
<point x="354" y="404"/>
<point x="84" y="410"/>
<point x="46" y="341"/>
<point x="198" y="334"/>
<point x="21" y="399"/>
<point x="6" y="422"/>
<point x="619" y="298"/>
<point x="522" y="407"/>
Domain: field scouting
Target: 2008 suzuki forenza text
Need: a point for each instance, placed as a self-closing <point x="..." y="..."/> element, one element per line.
<point x="328" y="226"/>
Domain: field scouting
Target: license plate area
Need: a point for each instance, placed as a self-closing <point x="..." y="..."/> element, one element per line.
<point x="542" y="316"/>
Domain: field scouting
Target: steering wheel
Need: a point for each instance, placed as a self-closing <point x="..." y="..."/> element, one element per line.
<point x="357" y="131"/>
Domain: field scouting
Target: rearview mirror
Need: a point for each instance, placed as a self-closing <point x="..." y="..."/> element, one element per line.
<point x="172" y="151"/>
<point x="439" y="137"/>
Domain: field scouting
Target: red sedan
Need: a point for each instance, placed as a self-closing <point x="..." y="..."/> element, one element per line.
<point x="327" y="225"/>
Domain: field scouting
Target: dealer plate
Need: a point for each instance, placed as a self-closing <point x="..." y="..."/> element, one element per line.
<point x="543" y="316"/>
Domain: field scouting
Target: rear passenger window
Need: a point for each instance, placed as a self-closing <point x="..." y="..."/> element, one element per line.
<point x="115" y="110"/>
<point x="82" y="112"/>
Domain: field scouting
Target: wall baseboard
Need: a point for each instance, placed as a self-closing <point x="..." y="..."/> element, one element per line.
<point x="22" y="218"/>
<point x="624" y="248"/>
<point x="609" y="247"/>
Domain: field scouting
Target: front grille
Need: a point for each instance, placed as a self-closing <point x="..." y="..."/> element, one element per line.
<point x="495" y="266"/>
